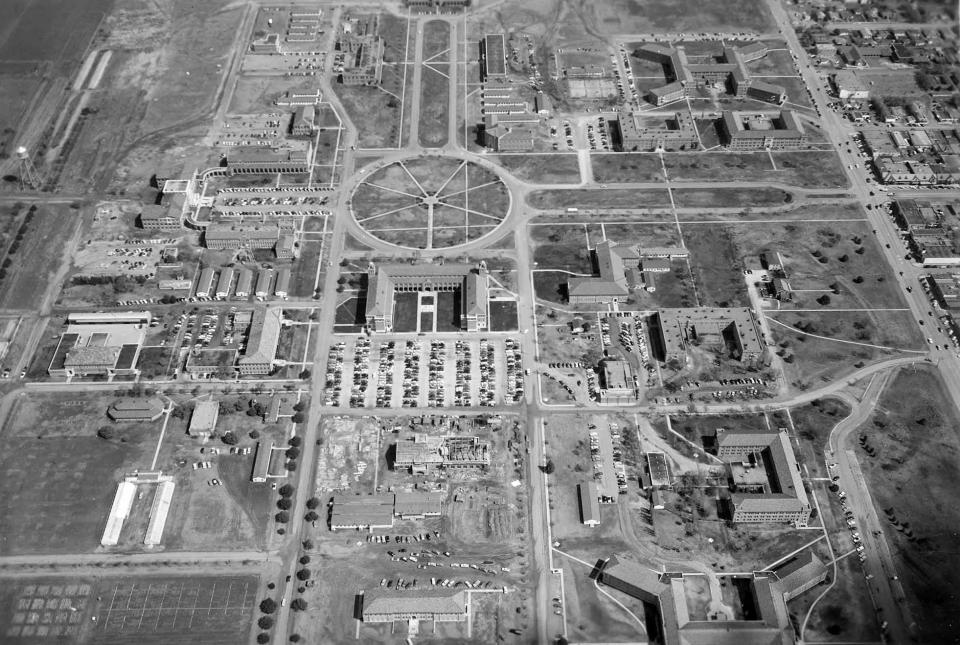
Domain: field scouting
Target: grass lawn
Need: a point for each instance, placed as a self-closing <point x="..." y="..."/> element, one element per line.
<point x="434" y="103"/>
<point x="599" y="198"/>
<point x="914" y="474"/>
<point x="405" y="305"/>
<point x="351" y="312"/>
<point x="807" y="169"/>
<point x="373" y="111"/>
<point x="57" y="491"/>
<point x="717" y="267"/>
<point x="436" y="40"/>
<point x="551" y="285"/>
<point x="37" y="259"/>
<point x="558" y="168"/>
<point x="626" y="168"/>
<point x="156" y="362"/>
<point x="503" y="315"/>
<point x="426" y="321"/>
<point x="304" y="274"/>
<point x="729" y="197"/>
<point x="448" y="310"/>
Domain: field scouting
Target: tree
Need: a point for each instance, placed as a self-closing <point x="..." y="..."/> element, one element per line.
<point x="268" y="605"/>
<point x="299" y="406"/>
<point x="550" y="467"/>
<point x="106" y="432"/>
<point x="282" y="517"/>
<point x="294" y="638"/>
<point x="265" y="622"/>
<point x="312" y="503"/>
<point x="284" y="503"/>
<point x="230" y="438"/>
<point x="287" y="490"/>
<point x="308" y="545"/>
<point x="303" y="574"/>
<point x="305" y="559"/>
<point x="263" y="638"/>
<point x="311" y="516"/>
<point x="299" y="417"/>
<point x="254" y="434"/>
<point x="295" y="441"/>
<point x="298" y="604"/>
<point x="291" y="466"/>
<point x="293" y="452"/>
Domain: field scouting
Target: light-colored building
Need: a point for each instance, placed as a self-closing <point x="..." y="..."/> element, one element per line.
<point x="850" y="86"/>
<point x="260" y="354"/>
<point x="432" y="605"/>
<point x="588" y="498"/>
<point x="611" y="285"/>
<point x="203" y="421"/>
<point x="757" y="131"/>
<point x="784" y="498"/>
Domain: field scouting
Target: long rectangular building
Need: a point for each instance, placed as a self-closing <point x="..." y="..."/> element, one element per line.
<point x="757" y="131"/>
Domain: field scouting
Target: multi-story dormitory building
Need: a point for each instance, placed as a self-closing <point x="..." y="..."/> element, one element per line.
<point x="728" y="69"/>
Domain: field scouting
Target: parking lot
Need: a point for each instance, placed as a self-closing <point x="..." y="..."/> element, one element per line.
<point x="395" y="373"/>
<point x="115" y="257"/>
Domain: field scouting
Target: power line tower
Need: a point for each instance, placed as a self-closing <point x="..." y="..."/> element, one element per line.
<point x="29" y="177"/>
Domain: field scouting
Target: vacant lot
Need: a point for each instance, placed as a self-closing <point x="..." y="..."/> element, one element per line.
<point x="599" y="198"/>
<point x="503" y="315"/>
<point x="914" y="474"/>
<point x="541" y="169"/>
<point x="375" y="113"/>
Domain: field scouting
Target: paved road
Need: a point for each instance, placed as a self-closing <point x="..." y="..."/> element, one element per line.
<point x="889" y="238"/>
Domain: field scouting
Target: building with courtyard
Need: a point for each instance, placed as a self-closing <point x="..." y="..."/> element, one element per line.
<point x="468" y="283"/>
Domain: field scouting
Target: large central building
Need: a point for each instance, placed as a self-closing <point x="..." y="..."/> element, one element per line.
<point x="385" y="280"/>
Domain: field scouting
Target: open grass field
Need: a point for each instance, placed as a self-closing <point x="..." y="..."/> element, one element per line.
<point x="717" y="266"/>
<point x="819" y="210"/>
<point x="405" y="306"/>
<point x="304" y="274"/>
<point x="436" y="41"/>
<point x="812" y="356"/>
<point x="555" y="168"/>
<point x="434" y="104"/>
<point x="628" y="167"/>
<point x="806" y="169"/>
<point x="914" y="474"/>
<point x="846" y="612"/>
<point x="598" y="198"/>
<point x="730" y="197"/>
<point x="51" y="30"/>
<point x="34" y="264"/>
<point x="634" y="16"/>
<point x="503" y="315"/>
<point x="375" y="113"/>
<point x="200" y="43"/>
<point x="56" y="495"/>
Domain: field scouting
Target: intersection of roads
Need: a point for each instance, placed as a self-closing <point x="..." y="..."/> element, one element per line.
<point x="886" y="592"/>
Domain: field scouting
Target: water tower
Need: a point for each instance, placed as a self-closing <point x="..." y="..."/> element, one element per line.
<point x="29" y="177"/>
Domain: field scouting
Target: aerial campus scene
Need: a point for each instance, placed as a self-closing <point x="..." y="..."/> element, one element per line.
<point x="479" y="321"/>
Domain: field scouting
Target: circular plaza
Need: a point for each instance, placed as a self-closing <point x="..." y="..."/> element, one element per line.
<point x="430" y="202"/>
